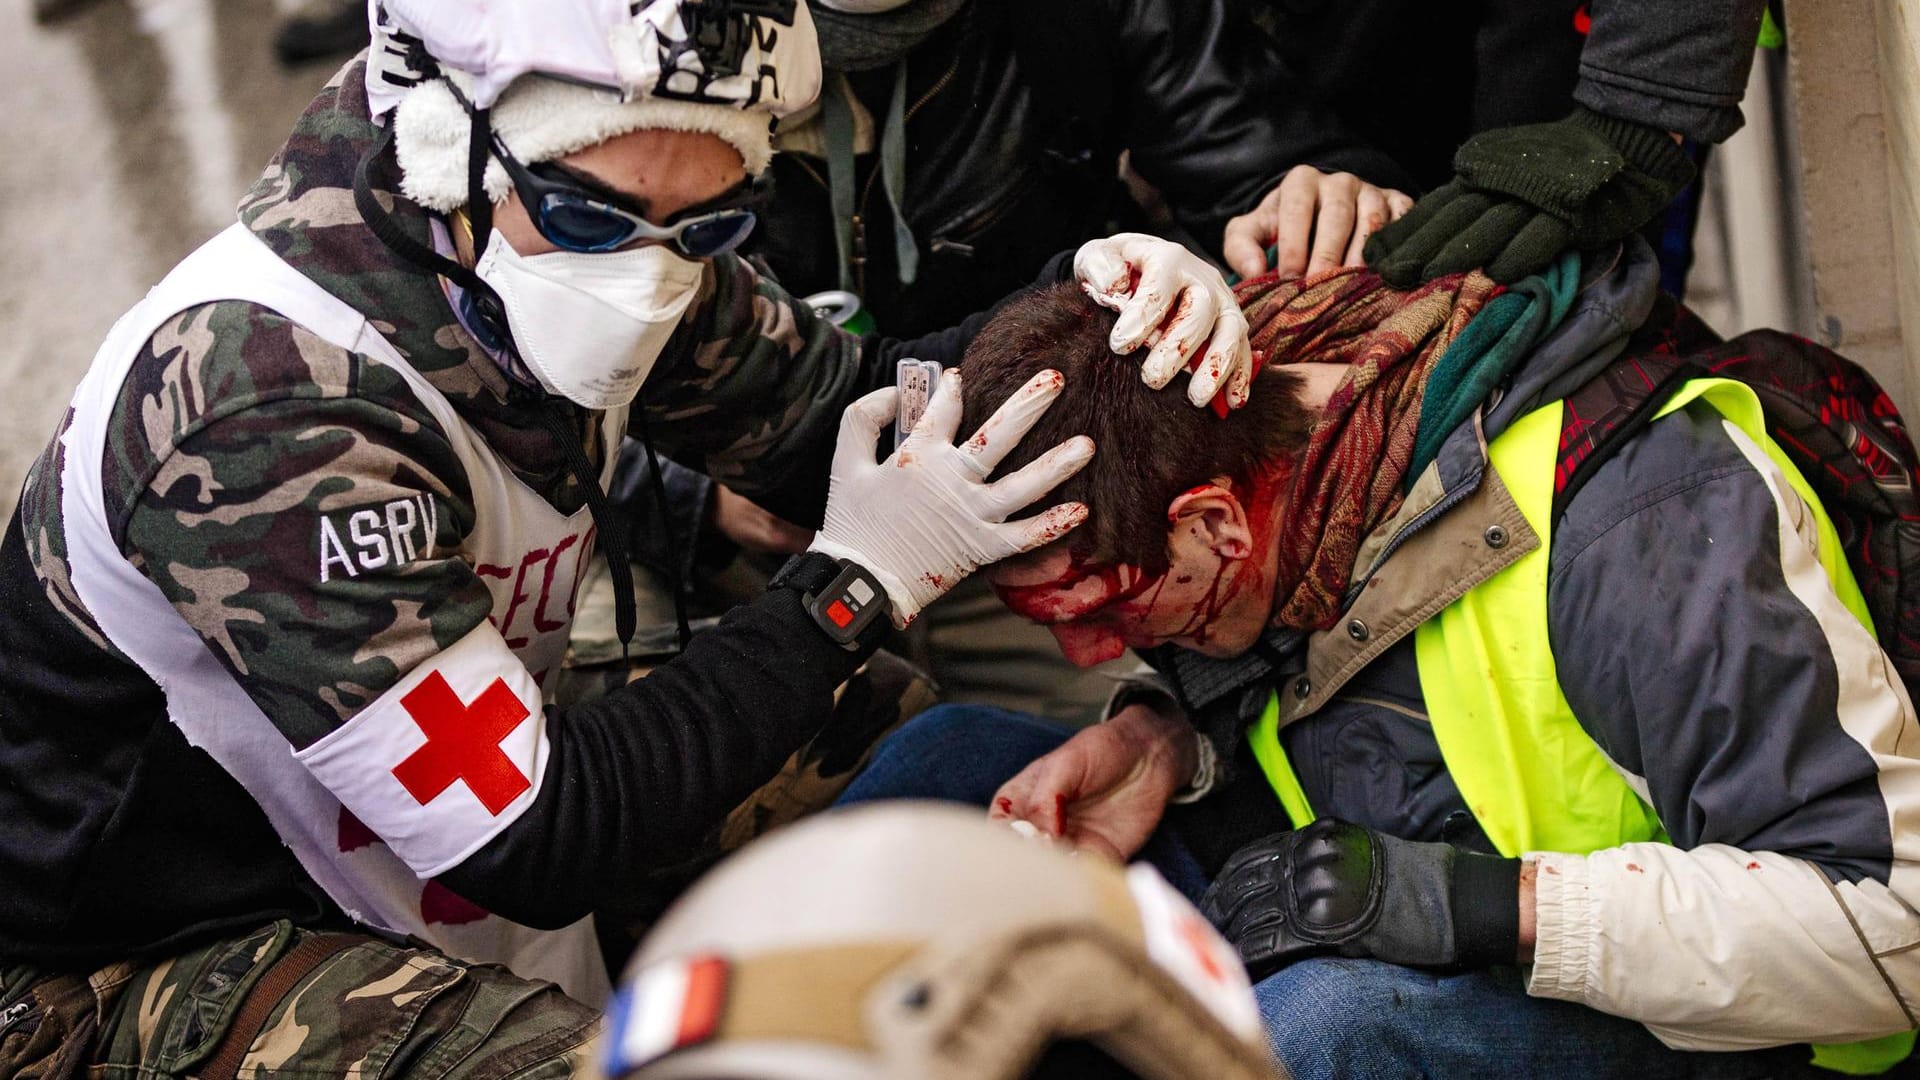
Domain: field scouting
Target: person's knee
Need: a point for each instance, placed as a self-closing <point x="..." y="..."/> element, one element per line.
<point x="1332" y="1016"/>
<point x="957" y="753"/>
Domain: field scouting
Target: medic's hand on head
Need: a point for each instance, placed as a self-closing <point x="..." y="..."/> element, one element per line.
<point x="1176" y="305"/>
<point x="926" y="517"/>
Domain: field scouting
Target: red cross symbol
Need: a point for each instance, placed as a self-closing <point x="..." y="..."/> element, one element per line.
<point x="463" y="743"/>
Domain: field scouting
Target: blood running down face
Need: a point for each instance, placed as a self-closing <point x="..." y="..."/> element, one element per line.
<point x="1179" y="545"/>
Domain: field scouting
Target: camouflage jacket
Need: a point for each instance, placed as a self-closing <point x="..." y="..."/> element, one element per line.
<point x="238" y="438"/>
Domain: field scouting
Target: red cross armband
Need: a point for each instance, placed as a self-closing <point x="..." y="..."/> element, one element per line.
<point x="443" y="760"/>
<point x="846" y="602"/>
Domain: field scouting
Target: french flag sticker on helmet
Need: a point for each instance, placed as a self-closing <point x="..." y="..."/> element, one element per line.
<point x="672" y="1005"/>
<point x="446" y="758"/>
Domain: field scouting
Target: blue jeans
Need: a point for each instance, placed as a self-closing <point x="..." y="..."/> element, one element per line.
<point x="1331" y="1017"/>
<point x="963" y="753"/>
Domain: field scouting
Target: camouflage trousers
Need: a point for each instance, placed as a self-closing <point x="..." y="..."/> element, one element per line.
<point x="282" y="1001"/>
<point x="369" y="1008"/>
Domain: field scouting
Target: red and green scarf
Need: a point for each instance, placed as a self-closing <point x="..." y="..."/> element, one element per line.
<point x="1352" y="474"/>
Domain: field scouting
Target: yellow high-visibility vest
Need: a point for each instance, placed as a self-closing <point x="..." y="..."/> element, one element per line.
<point x="1531" y="775"/>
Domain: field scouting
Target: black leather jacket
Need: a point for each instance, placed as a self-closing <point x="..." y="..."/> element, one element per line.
<point x="1019" y="111"/>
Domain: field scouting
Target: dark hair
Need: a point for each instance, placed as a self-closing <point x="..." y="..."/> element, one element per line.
<point x="1150" y="445"/>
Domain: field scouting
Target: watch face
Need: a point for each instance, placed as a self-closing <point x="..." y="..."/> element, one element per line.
<point x="845" y="610"/>
<point x="848" y="605"/>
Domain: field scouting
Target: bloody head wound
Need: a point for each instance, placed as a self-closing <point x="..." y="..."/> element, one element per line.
<point x="1151" y="445"/>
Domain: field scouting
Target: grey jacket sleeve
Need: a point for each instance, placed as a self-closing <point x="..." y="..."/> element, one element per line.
<point x="1677" y="65"/>
<point x="1702" y="646"/>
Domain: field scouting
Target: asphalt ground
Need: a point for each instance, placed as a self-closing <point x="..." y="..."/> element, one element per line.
<point x="128" y="130"/>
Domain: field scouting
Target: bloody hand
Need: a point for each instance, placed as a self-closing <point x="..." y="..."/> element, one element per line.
<point x="1105" y="789"/>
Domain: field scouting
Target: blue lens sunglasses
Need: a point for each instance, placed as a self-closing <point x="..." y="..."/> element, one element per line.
<point x="576" y="214"/>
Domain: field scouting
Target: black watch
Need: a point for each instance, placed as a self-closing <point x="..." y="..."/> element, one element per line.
<point x="846" y="602"/>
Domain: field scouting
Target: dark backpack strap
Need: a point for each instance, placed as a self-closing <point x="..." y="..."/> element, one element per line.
<point x="1611" y="408"/>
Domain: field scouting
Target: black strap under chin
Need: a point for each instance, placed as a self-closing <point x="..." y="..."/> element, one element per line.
<point x="479" y="207"/>
<point x="659" y="485"/>
<point x="557" y="416"/>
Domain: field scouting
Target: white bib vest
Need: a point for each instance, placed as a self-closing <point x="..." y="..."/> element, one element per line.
<point x="398" y="826"/>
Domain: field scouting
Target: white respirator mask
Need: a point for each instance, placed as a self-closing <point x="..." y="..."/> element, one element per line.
<point x="591" y="326"/>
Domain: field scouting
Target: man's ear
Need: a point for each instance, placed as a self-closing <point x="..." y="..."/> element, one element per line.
<point x="1210" y="515"/>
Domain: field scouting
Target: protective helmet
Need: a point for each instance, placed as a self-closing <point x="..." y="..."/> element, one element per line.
<point x="921" y="940"/>
<point x="556" y="76"/>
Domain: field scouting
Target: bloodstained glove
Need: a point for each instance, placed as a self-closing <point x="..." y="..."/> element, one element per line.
<point x="1522" y="195"/>
<point x="927" y="516"/>
<point x="1335" y="889"/>
<point x="1175" y="305"/>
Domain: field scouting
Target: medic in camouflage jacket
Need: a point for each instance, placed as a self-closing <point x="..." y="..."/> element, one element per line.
<point x="299" y="507"/>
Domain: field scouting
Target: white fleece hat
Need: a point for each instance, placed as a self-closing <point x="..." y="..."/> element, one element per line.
<point x="562" y="75"/>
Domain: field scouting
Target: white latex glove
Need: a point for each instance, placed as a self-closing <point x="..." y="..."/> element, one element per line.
<point x="1175" y="302"/>
<point x="926" y="517"/>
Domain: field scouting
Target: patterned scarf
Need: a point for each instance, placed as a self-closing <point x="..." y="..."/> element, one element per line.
<point x="1351" y="475"/>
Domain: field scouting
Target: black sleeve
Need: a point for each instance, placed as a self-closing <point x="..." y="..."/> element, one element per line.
<point x="1674" y="66"/>
<point x="1215" y="118"/>
<point x="636" y="780"/>
<point x="1526" y="59"/>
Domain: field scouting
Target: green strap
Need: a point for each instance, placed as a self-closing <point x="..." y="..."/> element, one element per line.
<point x="1771" y="36"/>
<point x="836" y="115"/>
<point x="1264" y="737"/>
<point x="836" y="109"/>
<point x="893" y="176"/>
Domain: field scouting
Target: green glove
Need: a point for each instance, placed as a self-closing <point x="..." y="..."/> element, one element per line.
<point x="1522" y="195"/>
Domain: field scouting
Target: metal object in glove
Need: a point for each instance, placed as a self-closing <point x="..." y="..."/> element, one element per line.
<point x="1523" y="195"/>
<point x="1336" y="889"/>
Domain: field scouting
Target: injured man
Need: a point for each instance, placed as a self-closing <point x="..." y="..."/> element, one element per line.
<point x="1516" y="707"/>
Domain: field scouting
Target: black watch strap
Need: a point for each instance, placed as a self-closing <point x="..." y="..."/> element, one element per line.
<point x="845" y="601"/>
